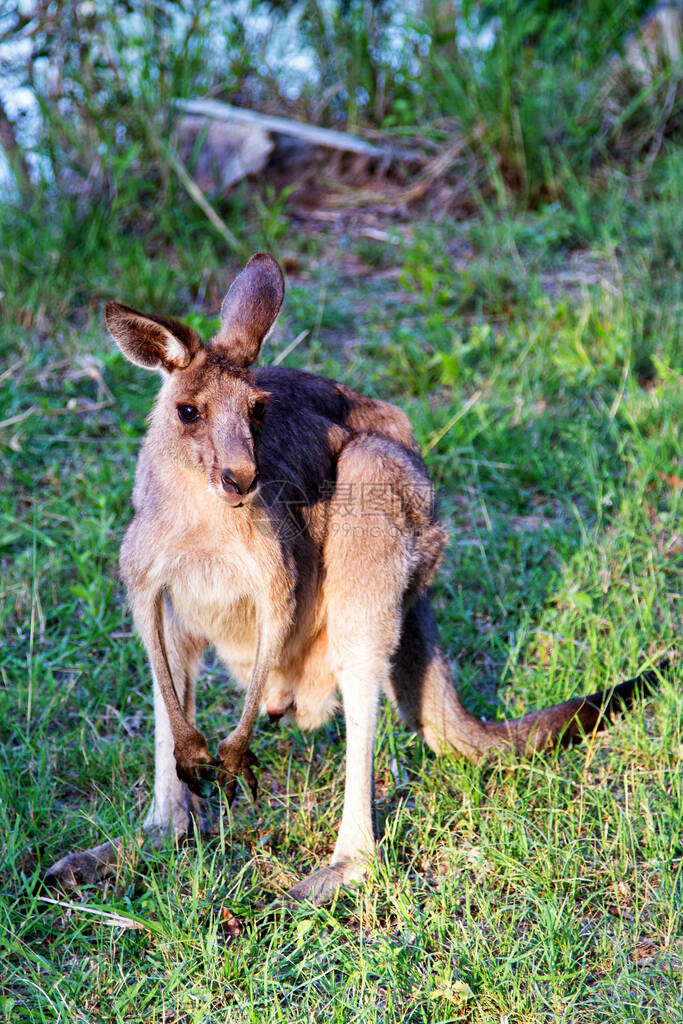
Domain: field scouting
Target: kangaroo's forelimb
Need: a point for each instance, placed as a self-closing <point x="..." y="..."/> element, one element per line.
<point x="193" y="761"/>
<point x="234" y="756"/>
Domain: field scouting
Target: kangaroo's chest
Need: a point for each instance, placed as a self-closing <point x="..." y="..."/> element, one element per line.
<point x="226" y="578"/>
<point x="214" y="593"/>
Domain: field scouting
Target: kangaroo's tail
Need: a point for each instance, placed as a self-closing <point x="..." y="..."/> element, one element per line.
<point x="420" y="686"/>
<point x="564" y="724"/>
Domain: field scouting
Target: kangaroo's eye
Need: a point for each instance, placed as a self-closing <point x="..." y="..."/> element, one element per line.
<point x="258" y="411"/>
<point x="188" y="413"/>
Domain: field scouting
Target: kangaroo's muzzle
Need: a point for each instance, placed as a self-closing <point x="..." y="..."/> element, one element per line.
<point x="238" y="482"/>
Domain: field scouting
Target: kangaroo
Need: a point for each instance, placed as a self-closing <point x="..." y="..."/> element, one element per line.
<point x="289" y="522"/>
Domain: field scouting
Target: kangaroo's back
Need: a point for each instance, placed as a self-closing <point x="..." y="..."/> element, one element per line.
<point x="295" y="392"/>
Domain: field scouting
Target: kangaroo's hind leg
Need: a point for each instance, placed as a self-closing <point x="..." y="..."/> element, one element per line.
<point x="173" y="806"/>
<point x="368" y="567"/>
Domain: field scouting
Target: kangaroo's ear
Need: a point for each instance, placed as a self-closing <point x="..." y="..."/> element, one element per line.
<point x="155" y="342"/>
<point x="250" y="309"/>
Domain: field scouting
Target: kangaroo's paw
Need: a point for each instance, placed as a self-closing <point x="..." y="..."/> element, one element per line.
<point x="82" y="868"/>
<point x="194" y="765"/>
<point x="320" y="886"/>
<point x="233" y="762"/>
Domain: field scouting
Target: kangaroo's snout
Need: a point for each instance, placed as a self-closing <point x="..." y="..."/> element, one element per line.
<point x="233" y="471"/>
<point x="239" y="480"/>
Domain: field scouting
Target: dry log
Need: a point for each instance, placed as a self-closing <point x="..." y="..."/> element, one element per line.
<point x="307" y="133"/>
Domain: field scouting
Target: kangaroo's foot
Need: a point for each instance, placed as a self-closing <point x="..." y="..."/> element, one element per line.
<point x="320" y="886"/>
<point x="83" y="868"/>
<point x="171" y="818"/>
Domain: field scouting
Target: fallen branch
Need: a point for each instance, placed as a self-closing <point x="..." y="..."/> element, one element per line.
<point x="311" y="133"/>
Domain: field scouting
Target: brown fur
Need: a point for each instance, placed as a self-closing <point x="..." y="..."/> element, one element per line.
<point x="251" y="534"/>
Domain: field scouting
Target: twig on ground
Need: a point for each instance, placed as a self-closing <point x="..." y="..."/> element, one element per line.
<point x="115" y="920"/>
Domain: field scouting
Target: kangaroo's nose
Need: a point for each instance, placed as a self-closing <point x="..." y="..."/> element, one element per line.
<point x="239" y="479"/>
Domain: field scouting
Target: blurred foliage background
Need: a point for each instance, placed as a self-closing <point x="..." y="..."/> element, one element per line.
<point x="88" y="88"/>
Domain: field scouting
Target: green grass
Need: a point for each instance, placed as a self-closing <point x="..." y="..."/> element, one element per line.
<point x="547" y="891"/>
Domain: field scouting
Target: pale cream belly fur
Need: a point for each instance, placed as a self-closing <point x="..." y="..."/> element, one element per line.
<point x="302" y="687"/>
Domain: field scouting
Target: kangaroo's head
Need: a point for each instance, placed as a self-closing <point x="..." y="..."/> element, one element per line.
<point x="209" y="409"/>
